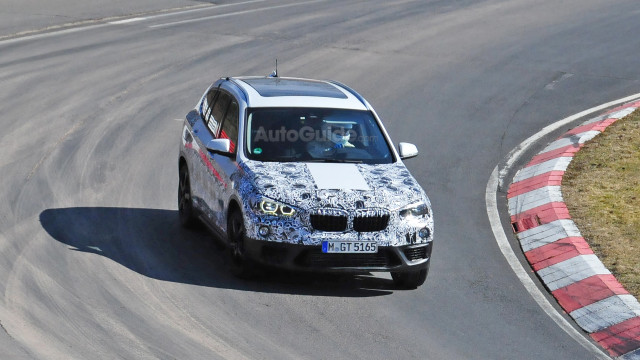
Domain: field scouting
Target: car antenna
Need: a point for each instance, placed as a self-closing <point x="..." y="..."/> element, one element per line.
<point x="275" y="72"/>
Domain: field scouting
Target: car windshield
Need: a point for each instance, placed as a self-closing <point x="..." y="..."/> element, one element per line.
<point x="315" y="135"/>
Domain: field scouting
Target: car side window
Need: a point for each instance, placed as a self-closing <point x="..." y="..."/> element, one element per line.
<point x="229" y="128"/>
<point x="208" y="102"/>
<point x="218" y="110"/>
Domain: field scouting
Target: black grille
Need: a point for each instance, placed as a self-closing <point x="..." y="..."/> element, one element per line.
<point x="370" y="223"/>
<point x="416" y="253"/>
<point x="316" y="258"/>
<point x="329" y="222"/>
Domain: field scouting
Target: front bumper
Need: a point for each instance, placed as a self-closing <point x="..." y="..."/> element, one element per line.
<point x="311" y="258"/>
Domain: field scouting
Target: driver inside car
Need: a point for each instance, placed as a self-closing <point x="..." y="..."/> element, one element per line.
<point x="335" y="135"/>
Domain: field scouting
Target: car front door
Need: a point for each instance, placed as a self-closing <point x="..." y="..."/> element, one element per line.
<point x="204" y="175"/>
<point x="226" y="164"/>
<point x="220" y="120"/>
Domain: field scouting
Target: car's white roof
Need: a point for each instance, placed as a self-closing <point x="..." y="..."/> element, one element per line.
<point x="297" y="92"/>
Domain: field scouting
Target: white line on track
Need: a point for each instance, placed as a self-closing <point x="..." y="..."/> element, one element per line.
<point x="51" y="34"/>
<point x="233" y="14"/>
<point x="98" y="24"/>
<point x="204" y="9"/>
<point x="127" y="21"/>
<point x="496" y="181"/>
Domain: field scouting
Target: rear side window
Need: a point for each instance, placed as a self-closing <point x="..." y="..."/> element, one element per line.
<point x="229" y="128"/>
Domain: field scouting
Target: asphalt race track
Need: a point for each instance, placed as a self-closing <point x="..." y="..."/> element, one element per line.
<point x="93" y="263"/>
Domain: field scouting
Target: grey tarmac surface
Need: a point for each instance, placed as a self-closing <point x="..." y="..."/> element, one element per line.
<point x="93" y="263"/>
<point x="19" y="16"/>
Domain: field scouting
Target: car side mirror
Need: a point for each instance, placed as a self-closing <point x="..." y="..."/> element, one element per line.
<point x="192" y="116"/>
<point x="220" y="146"/>
<point x="407" y="150"/>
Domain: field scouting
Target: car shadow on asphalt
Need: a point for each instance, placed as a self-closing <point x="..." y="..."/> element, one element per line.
<point x="152" y="243"/>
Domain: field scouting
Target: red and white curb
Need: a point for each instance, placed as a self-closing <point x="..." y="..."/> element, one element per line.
<point x="558" y="253"/>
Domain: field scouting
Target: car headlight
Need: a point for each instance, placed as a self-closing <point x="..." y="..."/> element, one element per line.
<point x="415" y="210"/>
<point x="276" y="208"/>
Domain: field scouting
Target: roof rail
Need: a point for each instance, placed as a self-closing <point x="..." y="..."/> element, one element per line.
<point x="234" y="82"/>
<point x="353" y="92"/>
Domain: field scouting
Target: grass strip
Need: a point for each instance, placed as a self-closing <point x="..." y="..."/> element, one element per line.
<point x="601" y="188"/>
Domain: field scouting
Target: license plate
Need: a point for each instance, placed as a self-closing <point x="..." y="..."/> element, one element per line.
<point x="349" y="247"/>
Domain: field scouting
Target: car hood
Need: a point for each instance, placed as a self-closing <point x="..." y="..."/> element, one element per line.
<point x="335" y="185"/>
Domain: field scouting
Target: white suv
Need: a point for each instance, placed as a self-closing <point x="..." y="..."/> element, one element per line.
<point x="301" y="174"/>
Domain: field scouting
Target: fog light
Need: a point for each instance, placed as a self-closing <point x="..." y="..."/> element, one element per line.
<point x="263" y="231"/>
<point x="424" y="233"/>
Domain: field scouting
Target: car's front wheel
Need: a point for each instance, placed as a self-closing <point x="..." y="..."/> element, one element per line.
<point x="409" y="279"/>
<point x="185" y="202"/>
<point x="241" y="266"/>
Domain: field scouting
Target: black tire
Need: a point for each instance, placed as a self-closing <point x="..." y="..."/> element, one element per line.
<point x="185" y="201"/>
<point x="240" y="265"/>
<point x="409" y="279"/>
